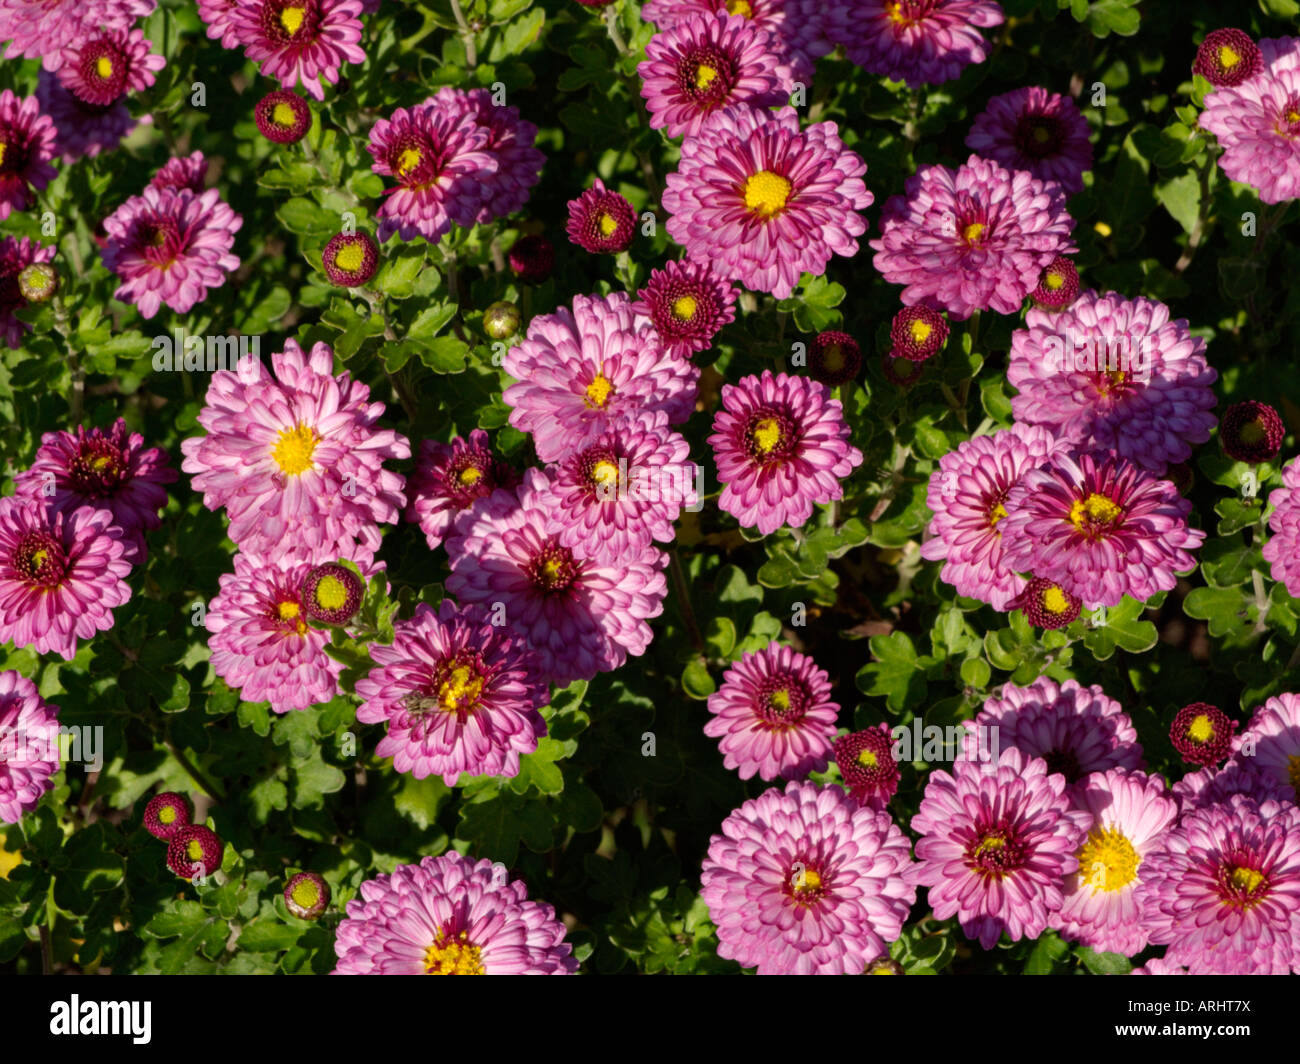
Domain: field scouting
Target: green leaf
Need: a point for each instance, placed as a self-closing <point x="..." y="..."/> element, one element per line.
<point x="304" y="217"/>
<point x="696" y="680"/>
<point x="1104" y="963"/>
<point x="1223" y="608"/>
<point x="1181" y="197"/>
<point x="444" y="354"/>
<point x="268" y="935"/>
<point x="1046" y="955"/>
<point x="897" y="673"/>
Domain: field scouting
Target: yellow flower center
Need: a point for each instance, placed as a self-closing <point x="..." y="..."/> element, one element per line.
<point x="833" y="358"/>
<point x="38" y="558"/>
<point x="194" y="850"/>
<point x="104" y="66"/>
<point x="101" y="462"/>
<point x="282" y="115"/>
<point x="599" y="391"/>
<point x="684" y="308"/>
<point x="604" y="472"/>
<point x="740" y="7"/>
<point x="1055" y="281"/>
<point x="868" y="759"/>
<point x="608" y="225"/>
<point x="996" y="514"/>
<point x="1103" y="229"/>
<point x="1251" y="432"/>
<point x="1228" y="58"/>
<point x="973" y="233"/>
<point x="454" y="957"/>
<point x="766" y="434"/>
<point x="779" y="699"/>
<point x="1095" y="509"/>
<point x="1054" y="600"/>
<point x="920" y="330"/>
<point x="291" y="19"/>
<point x="704" y="76"/>
<point x="807" y="881"/>
<point x="287" y="611"/>
<point x="1293" y="116"/>
<point x="766" y="193"/>
<point x="1107" y="860"/>
<point x="470" y="475"/>
<point x="306" y="894"/>
<point x="293" y="449"/>
<point x="897" y="15"/>
<point x="331" y="594"/>
<point x="167" y="814"/>
<point x="1246" y="879"/>
<point x="409" y="160"/>
<point x="3" y="145"/>
<point x="460" y="690"/>
<point x="990" y="842"/>
<point x="1041" y="135"/>
<point x="1201" y="729"/>
<point x="350" y="258"/>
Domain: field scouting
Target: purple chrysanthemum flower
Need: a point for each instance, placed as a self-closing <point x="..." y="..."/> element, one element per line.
<point x="579" y="616"/>
<point x="1035" y="130"/>
<point x="260" y="639"/>
<point x="617" y="494"/>
<point x="807" y="881"/>
<point x="795" y="30"/>
<point x="182" y="171"/>
<point x="450" y="915"/>
<point x="509" y="141"/>
<point x="781" y="446"/>
<point x="81" y="130"/>
<point x="687" y="304"/>
<point x="1271" y="742"/>
<point x="61" y="575"/>
<point x="108" y="65"/>
<point x="973" y="238"/>
<point x="16" y="254"/>
<point x="764" y="201"/>
<point x="1058" y="286"/>
<point x="1222" y="889"/>
<point x="41" y="29"/>
<point x="1227" y="57"/>
<point x="1209" y="786"/>
<point x="1101" y="527"/>
<point x="702" y="64"/>
<point x="968" y="496"/>
<point x="1257" y="124"/>
<point x="1282" y="549"/>
<point x="921" y="42"/>
<point x="169" y="246"/>
<point x="26" y="147"/>
<point x="295" y="458"/>
<point x="867" y="765"/>
<point x="459" y="695"/>
<point x="601" y="220"/>
<point x="999" y="838"/>
<point x="1251" y="432"/>
<point x="583" y="370"/>
<point x="451" y="477"/>
<point x="1129" y="811"/>
<point x="103" y="470"/>
<point x="441" y="164"/>
<point x="29" y="746"/>
<point x="1114" y="374"/>
<point x="1076" y="730"/>
<point x="300" y="40"/>
<point x="773" y="715"/>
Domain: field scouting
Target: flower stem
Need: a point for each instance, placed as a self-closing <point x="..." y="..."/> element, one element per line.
<point x="191" y="770"/>
<point x="611" y="25"/>
<point x="466" y="35"/>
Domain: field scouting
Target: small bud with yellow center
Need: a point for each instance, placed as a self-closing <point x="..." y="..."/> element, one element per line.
<point x="501" y="320"/>
<point x="166" y="814"/>
<point x="332" y="593"/>
<point x="307" y="895"/>
<point x="38" y="282"/>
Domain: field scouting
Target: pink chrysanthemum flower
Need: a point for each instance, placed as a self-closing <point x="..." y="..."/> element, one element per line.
<point x="450" y="915"/>
<point x="972" y="239"/>
<point x="866" y="763"/>
<point x="999" y="838"/>
<point x="26" y="147"/>
<point x="781" y="447"/>
<point x="1101" y="527"/>
<point x="1129" y="811"/>
<point x="219" y="19"/>
<point x="601" y="220"/>
<point x="29" y="746"/>
<point x="295" y="458"/>
<point x="921" y="42"/>
<point x="1251" y="432"/>
<point x="1222" y="888"/>
<point x="182" y="171"/>
<point x="687" y="304"/>
<point x="773" y="715"/>
<point x="579" y="616"/>
<point x="581" y="371"/>
<point x="967" y="495"/>
<point x="41" y="29"/>
<point x="1159" y="966"/>
<point x="61" y="575"/>
<point x="169" y="246"/>
<point x="16" y="254"/>
<point x="764" y="201"/>
<point x="300" y="40"/>
<point x="1271" y="742"/>
<point x="458" y="694"/>
<point x="623" y="490"/>
<point x="261" y="641"/>
<point x="1227" y="57"/>
<point x="441" y="164"/>
<point x="1114" y="374"/>
<point x="103" y="470"/>
<point x="1202" y="733"/>
<point x="1035" y="130"/>
<point x="807" y="881"/>
<point x="702" y="64"/>
<point x="1257" y="124"/>
<point x="451" y="477"/>
<point x="1058" y="285"/>
<point x="1282" y="549"/>
<point x="101" y="68"/>
<point x="1209" y="786"/>
<point x="81" y="130"/>
<point x="795" y="30"/>
<point x="1076" y="730"/>
<point x="509" y="140"/>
